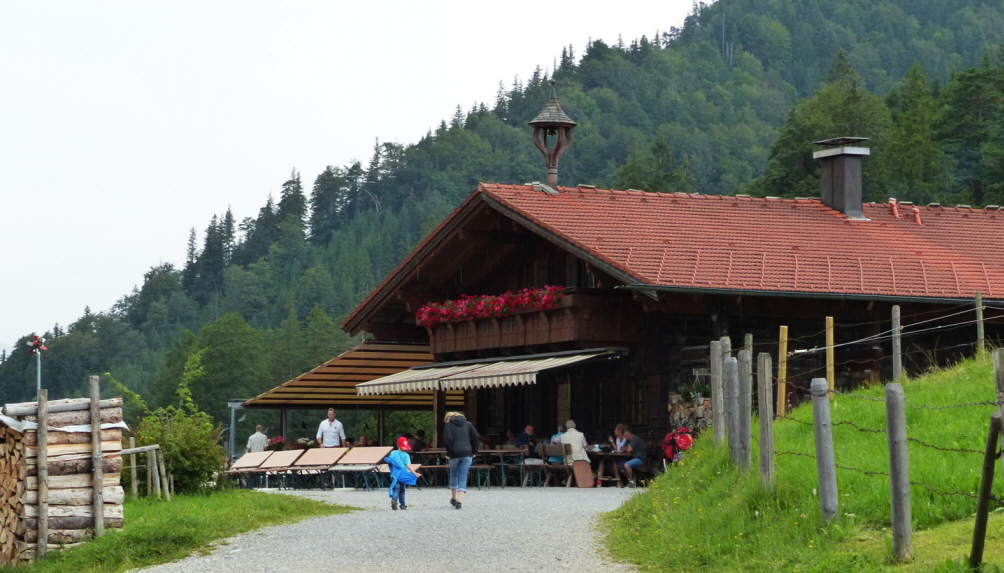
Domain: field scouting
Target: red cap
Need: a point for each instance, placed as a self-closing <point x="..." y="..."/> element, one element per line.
<point x="403" y="445"/>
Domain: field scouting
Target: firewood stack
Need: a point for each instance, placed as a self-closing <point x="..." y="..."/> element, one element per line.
<point x="70" y="480"/>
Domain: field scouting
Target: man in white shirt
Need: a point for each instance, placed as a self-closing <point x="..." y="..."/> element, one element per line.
<point x="258" y="440"/>
<point x="330" y="434"/>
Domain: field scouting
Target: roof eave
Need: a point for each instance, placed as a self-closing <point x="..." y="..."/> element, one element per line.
<point x="798" y="294"/>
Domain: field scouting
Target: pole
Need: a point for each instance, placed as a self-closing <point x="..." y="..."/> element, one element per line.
<point x="763" y="376"/>
<point x="744" y="412"/>
<point x="149" y="475"/>
<point x="717" y="400"/>
<point x="782" y="370"/>
<point x="159" y="456"/>
<point x="986" y="487"/>
<point x="38" y="376"/>
<point x="980" y="340"/>
<point x="998" y="358"/>
<point x="730" y="372"/>
<point x="899" y="472"/>
<point x="97" y="460"/>
<point x="825" y="465"/>
<point x="233" y="428"/>
<point x="897" y="345"/>
<point x="133" y="473"/>
<point x="151" y="459"/>
<point x="43" y="473"/>
<point x="830" y="376"/>
<point x="725" y="343"/>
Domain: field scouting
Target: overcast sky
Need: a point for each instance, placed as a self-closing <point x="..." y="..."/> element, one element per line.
<point x="125" y="124"/>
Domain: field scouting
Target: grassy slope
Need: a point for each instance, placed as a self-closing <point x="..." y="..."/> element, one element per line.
<point x="158" y="532"/>
<point x="703" y="516"/>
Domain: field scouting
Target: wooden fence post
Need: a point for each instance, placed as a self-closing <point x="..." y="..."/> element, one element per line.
<point x="897" y="345"/>
<point x="981" y="346"/>
<point x="159" y="455"/>
<point x="825" y="465"/>
<point x="998" y="359"/>
<point x="97" y="460"/>
<point x="782" y="371"/>
<point x="725" y="343"/>
<point x="830" y="373"/>
<point x="899" y="472"/>
<point x="766" y="404"/>
<point x="744" y="411"/>
<point x="717" y="400"/>
<point x="730" y="374"/>
<point x="149" y="477"/>
<point x="133" y="472"/>
<point x="43" y="474"/>
<point x="986" y="487"/>
<point x="151" y="460"/>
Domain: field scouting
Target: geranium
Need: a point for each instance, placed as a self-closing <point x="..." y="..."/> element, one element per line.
<point x="277" y="443"/>
<point x="468" y="307"/>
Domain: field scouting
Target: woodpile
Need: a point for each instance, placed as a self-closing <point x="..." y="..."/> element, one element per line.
<point x="69" y="485"/>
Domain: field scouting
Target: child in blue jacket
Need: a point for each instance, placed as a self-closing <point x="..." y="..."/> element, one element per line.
<point x="400" y="474"/>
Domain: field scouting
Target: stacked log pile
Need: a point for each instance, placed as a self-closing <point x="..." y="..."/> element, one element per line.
<point x="70" y="478"/>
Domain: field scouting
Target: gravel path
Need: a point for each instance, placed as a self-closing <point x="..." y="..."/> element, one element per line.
<point x="513" y="529"/>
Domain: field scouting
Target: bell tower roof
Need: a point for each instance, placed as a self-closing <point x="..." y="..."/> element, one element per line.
<point x="552" y="115"/>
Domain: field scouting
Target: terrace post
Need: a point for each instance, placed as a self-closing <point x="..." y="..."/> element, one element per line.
<point x="825" y="465"/>
<point x="899" y="473"/>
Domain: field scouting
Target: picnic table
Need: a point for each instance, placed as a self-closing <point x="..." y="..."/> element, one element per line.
<point x="611" y="459"/>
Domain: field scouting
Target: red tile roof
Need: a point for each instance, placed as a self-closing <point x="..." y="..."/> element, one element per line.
<point x="738" y="243"/>
<point x="779" y="245"/>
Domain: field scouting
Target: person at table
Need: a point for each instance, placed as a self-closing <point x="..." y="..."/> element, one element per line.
<point x="577" y="440"/>
<point x="618" y="441"/>
<point x="417" y="441"/>
<point x="636" y="447"/>
<point x="330" y="434"/>
<point x="527" y="439"/>
<point x="258" y="440"/>
<point x="400" y="474"/>
<point x="461" y="441"/>
<point x="556" y="439"/>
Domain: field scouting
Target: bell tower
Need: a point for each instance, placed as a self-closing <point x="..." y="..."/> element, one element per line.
<point x="552" y="122"/>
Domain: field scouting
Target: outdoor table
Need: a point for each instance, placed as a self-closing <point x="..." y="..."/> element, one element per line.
<point x="510" y="457"/>
<point x="610" y="458"/>
<point x="317" y="462"/>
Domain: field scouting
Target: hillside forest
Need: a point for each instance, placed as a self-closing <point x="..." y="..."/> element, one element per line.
<point x="728" y="103"/>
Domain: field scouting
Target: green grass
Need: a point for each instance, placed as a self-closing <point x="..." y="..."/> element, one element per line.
<point x="703" y="516"/>
<point x="159" y="531"/>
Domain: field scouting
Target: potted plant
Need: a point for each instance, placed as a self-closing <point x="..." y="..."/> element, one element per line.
<point x="277" y="444"/>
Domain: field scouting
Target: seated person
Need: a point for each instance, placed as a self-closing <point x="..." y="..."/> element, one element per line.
<point x="361" y="442"/>
<point x="527" y="439"/>
<point x="618" y="441"/>
<point x="556" y="439"/>
<point x="577" y="440"/>
<point x="636" y="447"/>
<point x="417" y="441"/>
<point x="510" y="438"/>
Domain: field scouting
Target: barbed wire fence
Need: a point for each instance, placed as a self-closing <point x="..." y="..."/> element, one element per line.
<point x="732" y="388"/>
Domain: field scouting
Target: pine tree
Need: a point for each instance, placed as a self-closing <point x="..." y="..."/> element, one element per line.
<point x="228" y="236"/>
<point x="191" y="270"/>
<point x="292" y="202"/>
<point x="917" y="166"/>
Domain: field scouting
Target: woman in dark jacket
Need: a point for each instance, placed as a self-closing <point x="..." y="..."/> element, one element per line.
<point x="461" y="440"/>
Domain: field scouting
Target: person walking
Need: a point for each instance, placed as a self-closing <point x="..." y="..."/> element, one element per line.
<point x="258" y="440"/>
<point x="400" y="474"/>
<point x="461" y="440"/>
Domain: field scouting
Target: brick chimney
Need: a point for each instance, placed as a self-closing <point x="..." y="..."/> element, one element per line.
<point x="840" y="181"/>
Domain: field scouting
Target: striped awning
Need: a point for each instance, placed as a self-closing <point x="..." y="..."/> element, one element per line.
<point x="463" y="376"/>
<point x="333" y="384"/>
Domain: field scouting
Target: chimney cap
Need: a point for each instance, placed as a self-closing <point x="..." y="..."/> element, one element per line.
<point x="841" y="141"/>
<point x="552" y="115"/>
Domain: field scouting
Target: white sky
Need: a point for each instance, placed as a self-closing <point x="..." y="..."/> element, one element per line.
<point x="124" y="124"/>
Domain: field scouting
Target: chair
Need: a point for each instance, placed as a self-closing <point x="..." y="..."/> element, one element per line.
<point x="562" y="467"/>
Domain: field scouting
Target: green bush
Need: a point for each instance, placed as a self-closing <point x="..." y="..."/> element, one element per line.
<point x="191" y="445"/>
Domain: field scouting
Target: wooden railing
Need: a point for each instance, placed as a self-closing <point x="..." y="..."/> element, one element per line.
<point x="596" y="318"/>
